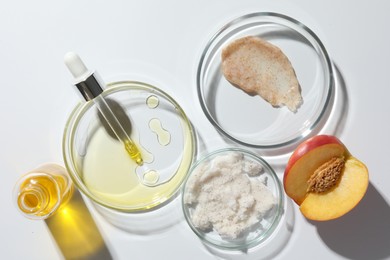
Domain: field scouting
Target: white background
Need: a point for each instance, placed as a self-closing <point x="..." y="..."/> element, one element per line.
<point x="160" y="42"/>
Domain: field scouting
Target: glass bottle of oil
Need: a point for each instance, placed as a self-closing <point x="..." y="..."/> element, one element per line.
<point x="41" y="192"/>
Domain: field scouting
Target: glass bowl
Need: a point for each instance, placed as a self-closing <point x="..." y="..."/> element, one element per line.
<point x="219" y="195"/>
<point x="99" y="164"/>
<point x="249" y="120"/>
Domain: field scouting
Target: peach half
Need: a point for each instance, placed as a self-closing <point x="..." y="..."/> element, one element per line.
<point x="324" y="179"/>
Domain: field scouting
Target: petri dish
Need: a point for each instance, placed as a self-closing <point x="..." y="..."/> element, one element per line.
<point x="198" y="185"/>
<point x="99" y="164"/>
<point x="250" y="120"/>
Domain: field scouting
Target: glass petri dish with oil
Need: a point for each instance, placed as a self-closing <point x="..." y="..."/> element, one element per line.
<point x="103" y="170"/>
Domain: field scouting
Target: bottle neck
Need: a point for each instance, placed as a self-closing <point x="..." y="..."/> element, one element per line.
<point x="38" y="195"/>
<point x="33" y="200"/>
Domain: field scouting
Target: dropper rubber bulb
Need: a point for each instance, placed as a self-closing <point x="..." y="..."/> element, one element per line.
<point x="76" y="66"/>
<point x="91" y="89"/>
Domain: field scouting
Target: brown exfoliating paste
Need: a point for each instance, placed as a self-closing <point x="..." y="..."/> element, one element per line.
<point x="260" y="68"/>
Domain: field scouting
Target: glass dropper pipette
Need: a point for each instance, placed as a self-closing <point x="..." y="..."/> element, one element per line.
<point x="91" y="89"/>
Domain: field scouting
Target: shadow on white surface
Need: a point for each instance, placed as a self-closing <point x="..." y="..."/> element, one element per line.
<point x="146" y="223"/>
<point x="75" y="232"/>
<point x="364" y="233"/>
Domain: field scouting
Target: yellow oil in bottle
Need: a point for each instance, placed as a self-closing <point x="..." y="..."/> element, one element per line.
<point x="40" y="193"/>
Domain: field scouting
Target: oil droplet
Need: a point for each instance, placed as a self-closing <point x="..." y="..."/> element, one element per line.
<point x="151" y="177"/>
<point x="163" y="136"/>
<point x="152" y="101"/>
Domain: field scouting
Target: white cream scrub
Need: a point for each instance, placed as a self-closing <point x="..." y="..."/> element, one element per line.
<point x="228" y="194"/>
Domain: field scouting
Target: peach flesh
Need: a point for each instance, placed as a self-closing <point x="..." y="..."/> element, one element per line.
<point x="309" y="145"/>
<point x="340" y="200"/>
<point x="306" y="159"/>
<point x="335" y="202"/>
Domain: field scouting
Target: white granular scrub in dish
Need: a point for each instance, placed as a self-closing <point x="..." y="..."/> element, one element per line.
<point x="228" y="194"/>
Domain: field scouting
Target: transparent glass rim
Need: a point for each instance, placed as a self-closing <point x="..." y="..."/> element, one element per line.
<point x="279" y="208"/>
<point x="293" y="24"/>
<point x="69" y="135"/>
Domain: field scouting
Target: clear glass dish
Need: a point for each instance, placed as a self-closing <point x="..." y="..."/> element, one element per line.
<point x="249" y="120"/>
<point x="263" y="227"/>
<point x="99" y="164"/>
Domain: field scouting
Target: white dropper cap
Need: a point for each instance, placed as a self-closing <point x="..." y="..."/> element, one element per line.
<point x="86" y="81"/>
<point x="76" y="66"/>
